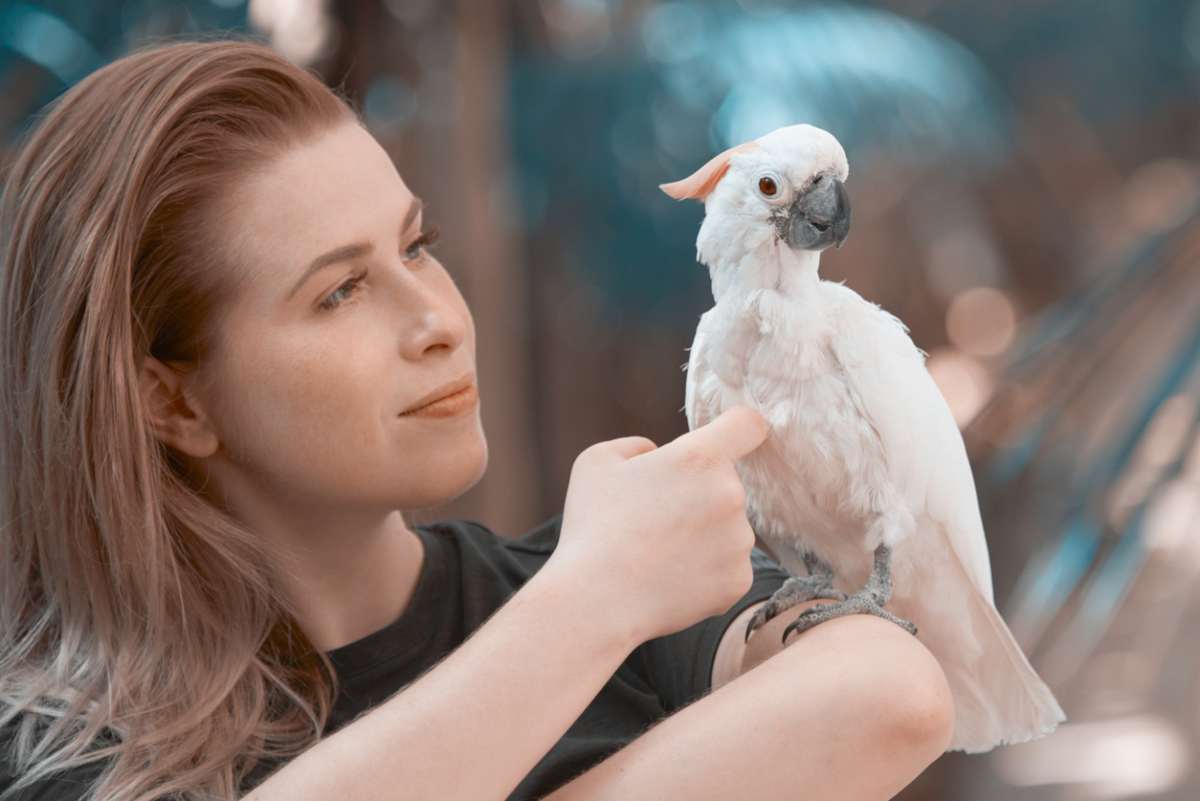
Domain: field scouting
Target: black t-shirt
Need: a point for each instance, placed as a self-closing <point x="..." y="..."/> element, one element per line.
<point x="467" y="574"/>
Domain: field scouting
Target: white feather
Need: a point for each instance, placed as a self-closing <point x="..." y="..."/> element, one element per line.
<point x="863" y="447"/>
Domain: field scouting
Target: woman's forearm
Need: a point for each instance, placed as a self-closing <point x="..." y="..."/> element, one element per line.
<point x="851" y="710"/>
<point x="479" y="721"/>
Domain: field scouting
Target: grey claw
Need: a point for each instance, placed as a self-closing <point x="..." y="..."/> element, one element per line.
<point x="760" y="616"/>
<point x="795" y="590"/>
<point x="859" y="603"/>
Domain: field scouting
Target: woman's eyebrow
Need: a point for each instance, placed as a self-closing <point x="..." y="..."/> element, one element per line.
<point x="353" y="250"/>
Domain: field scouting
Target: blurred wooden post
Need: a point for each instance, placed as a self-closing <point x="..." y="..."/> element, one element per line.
<point x="490" y="270"/>
<point x="454" y="153"/>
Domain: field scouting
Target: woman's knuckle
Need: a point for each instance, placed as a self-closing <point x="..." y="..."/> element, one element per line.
<point x="745" y="581"/>
<point x="588" y="454"/>
<point x="741" y="579"/>
<point x="749" y="540"/>
<point x="696" y="460"/>
<point x="731" y="495"/>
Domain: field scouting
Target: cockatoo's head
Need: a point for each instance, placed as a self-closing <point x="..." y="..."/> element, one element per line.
<point x="786" y="185"/>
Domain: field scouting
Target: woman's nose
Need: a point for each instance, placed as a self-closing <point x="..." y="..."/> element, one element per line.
<point x="438" y="321"/>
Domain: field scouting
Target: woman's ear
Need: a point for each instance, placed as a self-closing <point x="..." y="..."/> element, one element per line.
<point x="704" y="180"/>
<point x="173" y="411"/>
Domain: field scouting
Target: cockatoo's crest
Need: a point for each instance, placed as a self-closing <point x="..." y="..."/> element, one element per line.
<point x="798" y="152"/>
<point x="699" y="184"/>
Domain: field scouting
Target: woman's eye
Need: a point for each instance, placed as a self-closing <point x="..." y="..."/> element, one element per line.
<point x="426" y="240"/>
<point x="336" y="297"/>
<point x="339" y="296"/>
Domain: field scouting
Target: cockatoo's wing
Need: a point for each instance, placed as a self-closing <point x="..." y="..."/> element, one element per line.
<point x="927" y="460"/>
<point x="998" y="695"/>
<point x="696" y="370"/>
<point x="689" y="389"/>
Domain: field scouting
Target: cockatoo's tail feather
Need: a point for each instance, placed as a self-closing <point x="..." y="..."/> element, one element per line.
<point x="998" y="697"/>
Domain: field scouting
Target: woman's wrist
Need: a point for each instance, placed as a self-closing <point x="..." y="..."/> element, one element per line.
<point x="614" y="628"/>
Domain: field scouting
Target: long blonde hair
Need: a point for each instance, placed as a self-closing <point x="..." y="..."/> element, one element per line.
<point x="133" y="612"/>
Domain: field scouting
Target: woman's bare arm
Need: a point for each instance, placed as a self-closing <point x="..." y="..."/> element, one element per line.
<point x="851" y="710"/>
<point x="479" y="721"/>
<point x="629" y="569"/>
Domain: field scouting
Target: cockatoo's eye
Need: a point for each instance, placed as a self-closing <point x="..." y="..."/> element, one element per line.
<point x="770" y="187"/>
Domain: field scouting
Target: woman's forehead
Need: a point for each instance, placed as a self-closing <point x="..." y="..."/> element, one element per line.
<point x="338" y="190"/>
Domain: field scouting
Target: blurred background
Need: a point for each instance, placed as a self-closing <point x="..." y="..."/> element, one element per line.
<point x="1024" y="178"/>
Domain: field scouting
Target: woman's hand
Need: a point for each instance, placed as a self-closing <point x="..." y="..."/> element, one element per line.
<point x="659" y="536"/>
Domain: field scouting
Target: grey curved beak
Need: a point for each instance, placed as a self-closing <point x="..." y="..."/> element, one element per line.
<point x="820" y="217"/>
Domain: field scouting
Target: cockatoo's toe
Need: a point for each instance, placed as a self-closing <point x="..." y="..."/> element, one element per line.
<point x="860" y="603"/>
<point x="795" y="590"/>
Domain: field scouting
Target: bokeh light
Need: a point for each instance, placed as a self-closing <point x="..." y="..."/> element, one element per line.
<point x="981" y="321"/>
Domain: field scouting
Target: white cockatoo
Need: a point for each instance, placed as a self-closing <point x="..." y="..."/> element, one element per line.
<point x="864" y="477"/>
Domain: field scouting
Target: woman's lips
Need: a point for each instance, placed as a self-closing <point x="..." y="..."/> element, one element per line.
<point x="449" y="406"/>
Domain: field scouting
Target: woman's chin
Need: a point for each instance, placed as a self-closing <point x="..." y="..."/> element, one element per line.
<point x="479" y="463"/>
<point x="459" y="470"/>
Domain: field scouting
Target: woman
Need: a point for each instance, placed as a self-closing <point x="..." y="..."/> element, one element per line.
<point x="221" y="330"/>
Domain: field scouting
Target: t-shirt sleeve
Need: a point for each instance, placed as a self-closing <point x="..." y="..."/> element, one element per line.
<point x="679" y="666"/>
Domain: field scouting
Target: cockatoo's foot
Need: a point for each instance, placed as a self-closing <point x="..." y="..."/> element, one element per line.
<point x="869" y="600"/>
<point x="798" y="589"/>
<point x="859" y="603"/>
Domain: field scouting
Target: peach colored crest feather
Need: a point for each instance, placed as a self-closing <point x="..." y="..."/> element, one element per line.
<point x="704" y="180"/>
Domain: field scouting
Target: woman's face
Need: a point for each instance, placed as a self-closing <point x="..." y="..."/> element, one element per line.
<point x="306" y="388"/>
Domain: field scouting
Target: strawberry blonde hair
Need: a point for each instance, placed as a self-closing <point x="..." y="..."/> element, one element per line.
<point x="135" y="614"/>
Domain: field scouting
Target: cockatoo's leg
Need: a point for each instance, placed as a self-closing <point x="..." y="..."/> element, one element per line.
<point x="869" y="600"/>
<point x="797" y="589"/>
